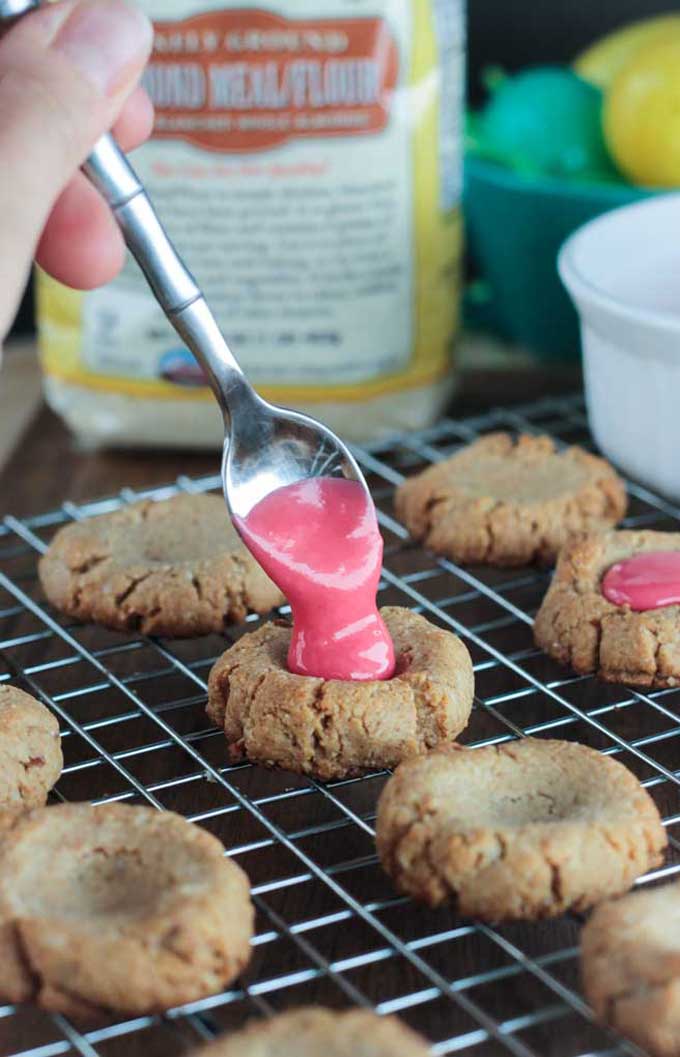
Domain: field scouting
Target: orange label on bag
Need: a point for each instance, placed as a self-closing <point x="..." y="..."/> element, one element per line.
<point x="247" y="80"/>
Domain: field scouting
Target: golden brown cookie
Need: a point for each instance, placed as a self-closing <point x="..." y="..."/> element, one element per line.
<point x="118" y="909"/>
<point x="333" y="729"/>
<point x="317" y="1032"/>
<point x="30" y="750"/>
<point x="578" y="626"/>
<point x="507" y="501"/>
<point x="630" y="962"/>
<point x="524" y="830"/>
<point x="175" y="568"/>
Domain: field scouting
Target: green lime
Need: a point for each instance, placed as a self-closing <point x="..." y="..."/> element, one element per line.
<point x="546" y="121"/>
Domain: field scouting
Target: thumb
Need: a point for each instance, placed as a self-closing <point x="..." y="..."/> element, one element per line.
<point x="65" y="72"/>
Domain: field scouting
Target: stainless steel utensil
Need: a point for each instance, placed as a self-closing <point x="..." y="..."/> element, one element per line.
<point x="265" y="447"/>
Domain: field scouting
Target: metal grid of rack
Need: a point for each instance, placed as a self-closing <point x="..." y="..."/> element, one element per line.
<point x="330" y="929"/>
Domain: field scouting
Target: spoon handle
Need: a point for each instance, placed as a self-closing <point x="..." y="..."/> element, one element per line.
<point x="111" y="173"/>
<point x="172" y="283"/>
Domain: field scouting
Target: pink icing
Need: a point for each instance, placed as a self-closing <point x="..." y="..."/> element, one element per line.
<point x="319" y="541"/>
<point x="646" y="581"/>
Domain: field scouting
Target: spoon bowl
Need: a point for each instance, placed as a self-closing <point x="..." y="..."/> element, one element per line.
<point x="268" y="447"/>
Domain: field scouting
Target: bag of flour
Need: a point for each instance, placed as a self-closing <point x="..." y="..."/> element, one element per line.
<point x="308" y="169"/>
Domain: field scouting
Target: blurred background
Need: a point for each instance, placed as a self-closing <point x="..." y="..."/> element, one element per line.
<point x="356" y="276"/>
<point x="514" y="36"/>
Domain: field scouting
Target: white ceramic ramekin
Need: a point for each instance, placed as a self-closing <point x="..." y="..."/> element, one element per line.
<point x="623" y="273"/>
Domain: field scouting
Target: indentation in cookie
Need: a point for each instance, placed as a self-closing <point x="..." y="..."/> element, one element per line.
<point x="524" y="830"/>
<point x="335" y="728"/>
<point x="648" y="580"/>
<point x="174" y="568"/>
<point x="579" y="627"/>
<point x="509" y="501"/>
<point x="117" y="908"/>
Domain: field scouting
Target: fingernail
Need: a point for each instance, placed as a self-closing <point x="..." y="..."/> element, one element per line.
<point x="51" y="16"/>
<point x="105" y="40"/>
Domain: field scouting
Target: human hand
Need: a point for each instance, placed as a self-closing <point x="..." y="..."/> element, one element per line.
<point x="68" y="73"/>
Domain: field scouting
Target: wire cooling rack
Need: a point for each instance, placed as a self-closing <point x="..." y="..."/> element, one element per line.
<point x="330" y="928"/>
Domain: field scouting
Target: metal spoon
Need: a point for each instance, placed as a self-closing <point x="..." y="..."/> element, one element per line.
<point x="265" y="446"/>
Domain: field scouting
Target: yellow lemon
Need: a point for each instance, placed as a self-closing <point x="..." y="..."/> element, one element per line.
<point x="642" y="115"/>
<point x="601" y="62"/>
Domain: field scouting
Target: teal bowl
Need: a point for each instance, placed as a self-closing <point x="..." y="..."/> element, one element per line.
<point x="515" y="227"/>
